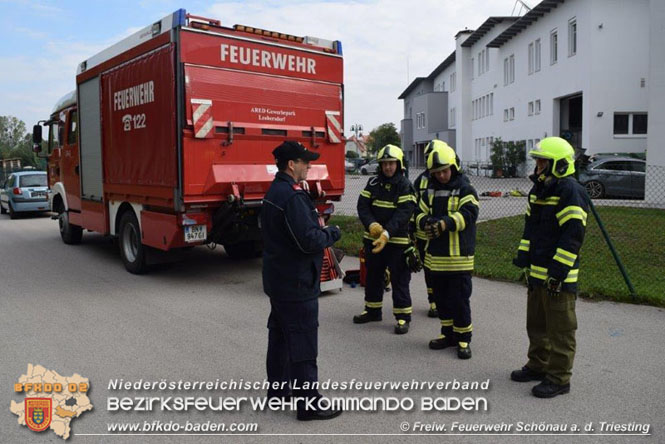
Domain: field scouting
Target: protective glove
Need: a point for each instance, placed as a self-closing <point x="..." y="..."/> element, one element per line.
<point x="375" y="230"/>
<point x="553" y="286"/>
<point x="380" y="243"/>
<point x="435" y="229"/>
<point x="412" y="258"/>
<point x="521" y="261"/>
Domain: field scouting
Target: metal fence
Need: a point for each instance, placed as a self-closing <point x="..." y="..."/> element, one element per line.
<point x="635" y="227"/>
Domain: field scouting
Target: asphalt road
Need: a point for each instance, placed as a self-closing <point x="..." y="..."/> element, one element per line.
<point x="74" y="309"/>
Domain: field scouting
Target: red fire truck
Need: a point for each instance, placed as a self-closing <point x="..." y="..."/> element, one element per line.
<point x="166" y="141"/>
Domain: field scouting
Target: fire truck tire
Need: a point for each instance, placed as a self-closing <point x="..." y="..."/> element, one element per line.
<point x="132" y="250"/>
<point x="244" y="250"/>
<point x="71" y="234"/>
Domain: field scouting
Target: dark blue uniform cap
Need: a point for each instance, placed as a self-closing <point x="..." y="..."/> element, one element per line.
<point x="291" y="150"/>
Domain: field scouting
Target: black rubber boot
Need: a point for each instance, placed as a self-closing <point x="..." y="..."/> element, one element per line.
<point x="549" y="389"/>
<point x="464" y="350"/>
<point x="366" y="317"/>
<point x="441" y="342"/>
<point x="525" y="374"/>
<point x="402" y="327"/>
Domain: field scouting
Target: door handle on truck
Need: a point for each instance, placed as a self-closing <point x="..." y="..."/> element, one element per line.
<point x="314" y="144"/>
<point x="229" y="139"/>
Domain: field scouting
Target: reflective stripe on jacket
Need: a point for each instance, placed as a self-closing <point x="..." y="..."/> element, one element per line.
<point x="554" y="227"/>
<point x="390" y="202"/>
<point x="456" y="203"/>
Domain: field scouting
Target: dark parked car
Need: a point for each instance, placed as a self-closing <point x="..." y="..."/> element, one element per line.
<point x="614" y="177"/>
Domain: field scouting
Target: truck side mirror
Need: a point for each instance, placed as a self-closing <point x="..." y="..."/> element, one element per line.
<point x="37" y="134"/>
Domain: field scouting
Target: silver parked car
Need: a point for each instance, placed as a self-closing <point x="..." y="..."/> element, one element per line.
<point x="24" y="191"/>
<point x="614" y="177"/>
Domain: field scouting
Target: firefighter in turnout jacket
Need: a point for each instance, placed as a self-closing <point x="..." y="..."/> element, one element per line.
<point x="420" y="185"/>
<point x="554" y="228"/>
<point x="385" y="207"/>
<point x="447" y="213"/>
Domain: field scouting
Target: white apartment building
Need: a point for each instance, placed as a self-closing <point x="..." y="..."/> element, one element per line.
<point x="591" y="71"/>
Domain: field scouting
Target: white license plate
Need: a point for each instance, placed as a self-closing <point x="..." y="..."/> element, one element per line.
<point x="38" y="194"/>
<point x="195" y="233"/>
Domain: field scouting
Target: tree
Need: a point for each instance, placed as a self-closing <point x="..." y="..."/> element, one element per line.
<point x="15" y="142"/>
<point x="506" y="157"/>
<point x="381" y="136"/>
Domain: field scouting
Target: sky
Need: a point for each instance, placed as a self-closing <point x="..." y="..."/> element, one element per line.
<point x="386" y="43"/>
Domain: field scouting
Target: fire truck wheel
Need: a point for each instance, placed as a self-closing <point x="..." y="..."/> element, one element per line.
<point x="70" y="234"/>
<point x="132" y="250"/>
<point x="244" y="250"/>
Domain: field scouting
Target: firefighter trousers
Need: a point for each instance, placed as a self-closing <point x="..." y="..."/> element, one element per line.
<point x="391" y="257"/>
<point x="420" y="243"/>
<point x="452" y="294"/>
<point x="551" y="323"/>
<point x="293" y="345"/>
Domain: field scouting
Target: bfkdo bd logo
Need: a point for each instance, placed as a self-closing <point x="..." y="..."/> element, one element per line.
<point x="52" y="401"/>
<point x="38" y="413"/>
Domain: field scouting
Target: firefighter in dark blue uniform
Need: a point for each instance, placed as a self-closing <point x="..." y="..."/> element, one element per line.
<point x="554" y="228"/>
<point x="447" y="213"/>
<point x="385" y="207"/>
<point x="293" y="244"/>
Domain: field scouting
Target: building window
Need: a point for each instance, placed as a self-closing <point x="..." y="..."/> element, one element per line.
<point x="512" y="68"/>
<point x="530" y="58"/>
<point x="537" y="107"/>
<point x="530" y="108"/>
<point x="451" y="118"/>
<point x="505" y="115"/>
<point x="420" y="120"/>
<point x="509" y="70"/>
<point x="453" y="78"/>
<point x="572" y="37"/>
<point x="487" y="59"/>
<point x="554" y="47"/>
<point x="473" y="67"/>
<point x="628" y="124"/>
<point x="491" y="104"/>
<point x="512" y="113"/>
<point x="536" y="67"/>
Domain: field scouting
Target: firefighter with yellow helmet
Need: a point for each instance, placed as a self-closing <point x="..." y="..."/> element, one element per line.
<point x="447" y="213"/>
<point x="420" y="185"/>
<point x="548" y="252"/>
<point x="385" y="207"/>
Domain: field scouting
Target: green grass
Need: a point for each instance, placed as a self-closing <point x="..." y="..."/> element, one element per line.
<point x="637" y="233"/>
<point x="352" y="234"/>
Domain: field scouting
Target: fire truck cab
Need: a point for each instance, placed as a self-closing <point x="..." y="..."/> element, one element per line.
<point x="166" y="141"/>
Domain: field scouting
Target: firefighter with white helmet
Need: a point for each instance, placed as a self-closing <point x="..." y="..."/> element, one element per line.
<point x="447" y="213"/>
<point x="385" y="207"/>
<point x="554" y="228"/>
